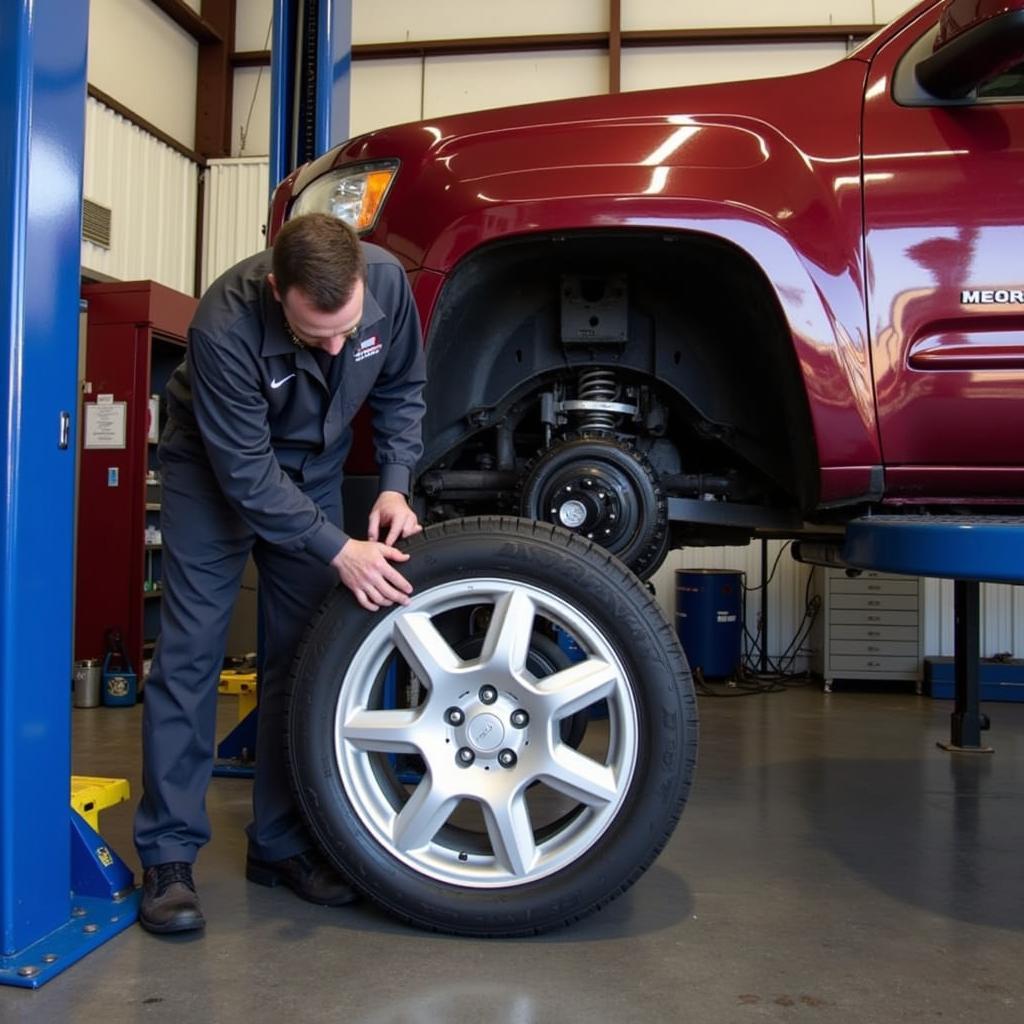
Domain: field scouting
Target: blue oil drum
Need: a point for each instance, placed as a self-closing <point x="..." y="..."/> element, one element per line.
<point x="709" y="619"/>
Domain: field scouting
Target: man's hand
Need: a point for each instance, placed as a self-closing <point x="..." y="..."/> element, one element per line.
<point x="391" y="512"/>
<point x="365" y="568"/>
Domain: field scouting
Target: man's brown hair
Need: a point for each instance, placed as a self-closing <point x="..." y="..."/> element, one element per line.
<point x="321" y="256"/>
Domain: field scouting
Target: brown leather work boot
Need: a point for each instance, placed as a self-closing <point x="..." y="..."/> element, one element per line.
<point x="307" y="874"/>
<point x="169" y="900"/>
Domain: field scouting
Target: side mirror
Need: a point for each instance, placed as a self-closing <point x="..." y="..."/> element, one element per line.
<point x="977" y="41"/>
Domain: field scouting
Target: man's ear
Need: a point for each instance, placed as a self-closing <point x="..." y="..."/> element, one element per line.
<point x="272" y="281"/>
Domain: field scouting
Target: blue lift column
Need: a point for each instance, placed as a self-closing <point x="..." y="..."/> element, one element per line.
<point x="966" y="550"/>
<point x="43" y="927"/>
<point x="310" y="76"/>
<point x="310" y="87"/>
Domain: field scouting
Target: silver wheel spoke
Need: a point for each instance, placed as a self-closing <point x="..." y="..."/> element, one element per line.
<point x="508" y="636"/>
<point x="428" y="653"/>
<point x="577" y="687"/>
<point x="390" y="732"/>
<point x="423" y="815"/>
<point x="579" y="777"/>
<point x="511" y="834"/>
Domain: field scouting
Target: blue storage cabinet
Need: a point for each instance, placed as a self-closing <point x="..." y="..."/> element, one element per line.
<point x="1001" y="680"/>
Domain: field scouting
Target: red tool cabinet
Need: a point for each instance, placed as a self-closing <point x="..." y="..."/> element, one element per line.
<point x="135" y="337"/>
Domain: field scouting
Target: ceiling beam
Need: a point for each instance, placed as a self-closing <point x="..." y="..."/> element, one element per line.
<point x="587" y="41"/>
<point x="614" y="46"/>
<point x="185" y="17"/>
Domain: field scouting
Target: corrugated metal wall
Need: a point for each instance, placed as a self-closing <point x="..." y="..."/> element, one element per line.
<point x="1002" y="619"/>
<point x="1002" y="607"/>
<point x="151" y="190"/>
<point x="237" y="199"/>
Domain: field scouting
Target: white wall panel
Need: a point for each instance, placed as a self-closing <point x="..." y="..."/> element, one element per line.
<point x="151" y="190"/>
<point x="653" y="14"/>
<point x="252" y="19"/>
<point x="141" y="58"/>
<point x="887" y="10"/>
<point x="237" y="201"/>
<point x="661" y="67"/>
<point x="385" y="92"/>
<point x="250" y="85"/>
<point x="374" y="22"/>
<point x="457" y="84"/>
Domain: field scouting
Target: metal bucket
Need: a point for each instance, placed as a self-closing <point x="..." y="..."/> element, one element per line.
<point x="88" y="676"/>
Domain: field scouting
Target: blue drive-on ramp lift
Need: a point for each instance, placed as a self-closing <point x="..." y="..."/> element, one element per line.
<point x="966" y="550"/>
<point x="62" y="891"/>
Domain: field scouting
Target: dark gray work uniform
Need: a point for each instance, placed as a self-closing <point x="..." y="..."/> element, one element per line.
<point x="251" y="461"/>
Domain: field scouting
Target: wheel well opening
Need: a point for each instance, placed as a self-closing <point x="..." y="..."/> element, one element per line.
<point x="697" y="323"/>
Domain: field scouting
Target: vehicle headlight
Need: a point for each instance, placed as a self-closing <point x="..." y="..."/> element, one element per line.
<point x="352" y="194"/>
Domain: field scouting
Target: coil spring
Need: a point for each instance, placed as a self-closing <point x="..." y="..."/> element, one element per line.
<point x="598" y="386"/>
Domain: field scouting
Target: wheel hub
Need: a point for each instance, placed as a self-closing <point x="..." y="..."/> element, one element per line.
<point x="591" y="500"/>
<point x="485" y="732"/>
<point x="573" y="514"/>
<point x="604" y="489"/>
<point x="487" y="728"/>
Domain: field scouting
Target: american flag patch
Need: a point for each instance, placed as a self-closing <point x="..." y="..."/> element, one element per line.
<point x="367" y="347"/>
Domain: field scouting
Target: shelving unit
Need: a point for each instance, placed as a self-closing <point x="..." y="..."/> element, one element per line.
<point x="871" y="627"/>
<point x="135" y="337"/>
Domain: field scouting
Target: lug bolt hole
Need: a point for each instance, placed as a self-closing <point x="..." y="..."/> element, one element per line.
<point x="520" y="719"/>
<point x="465" y="757"/>
<point x="507" y="759"/>
<point x="488" y="694"/>
<point x="454" y="716"/>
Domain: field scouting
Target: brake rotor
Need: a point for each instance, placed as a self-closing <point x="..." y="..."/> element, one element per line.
<point x="604" y="490"/>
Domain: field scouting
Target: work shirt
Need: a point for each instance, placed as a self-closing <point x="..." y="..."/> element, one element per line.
<point x="259" y="410"/>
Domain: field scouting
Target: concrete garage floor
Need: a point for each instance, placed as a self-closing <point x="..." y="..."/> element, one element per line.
<point x="833" y="865"/>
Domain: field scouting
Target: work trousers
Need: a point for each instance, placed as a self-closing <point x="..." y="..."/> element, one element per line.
<point x="205" y="548"/>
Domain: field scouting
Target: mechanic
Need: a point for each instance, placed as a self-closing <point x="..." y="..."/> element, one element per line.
<point x="283" y="350"/>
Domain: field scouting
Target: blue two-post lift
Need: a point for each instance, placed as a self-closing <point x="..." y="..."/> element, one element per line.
<point x="63" y="892"/>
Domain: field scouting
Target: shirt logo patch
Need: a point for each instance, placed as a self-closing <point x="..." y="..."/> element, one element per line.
<point x="275" y="383"/>
<point x="367" y="347"/>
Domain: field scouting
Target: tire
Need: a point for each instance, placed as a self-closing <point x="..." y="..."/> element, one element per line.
<point x="513" y="858"/>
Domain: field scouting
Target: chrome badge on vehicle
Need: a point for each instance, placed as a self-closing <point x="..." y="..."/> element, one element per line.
<point x="991" y="297"/>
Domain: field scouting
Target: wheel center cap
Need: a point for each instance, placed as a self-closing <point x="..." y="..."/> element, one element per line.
<point x="486" y="732"/>
<point x="572" y="514"/>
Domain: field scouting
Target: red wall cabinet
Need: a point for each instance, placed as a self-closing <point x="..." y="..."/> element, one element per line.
<point x="135" y="337"/>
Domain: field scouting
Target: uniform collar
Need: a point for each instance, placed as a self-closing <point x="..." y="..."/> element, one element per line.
<point x="276" y="341"/>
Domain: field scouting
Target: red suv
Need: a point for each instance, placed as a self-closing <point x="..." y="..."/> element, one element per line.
<point x="708" y="312"/>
